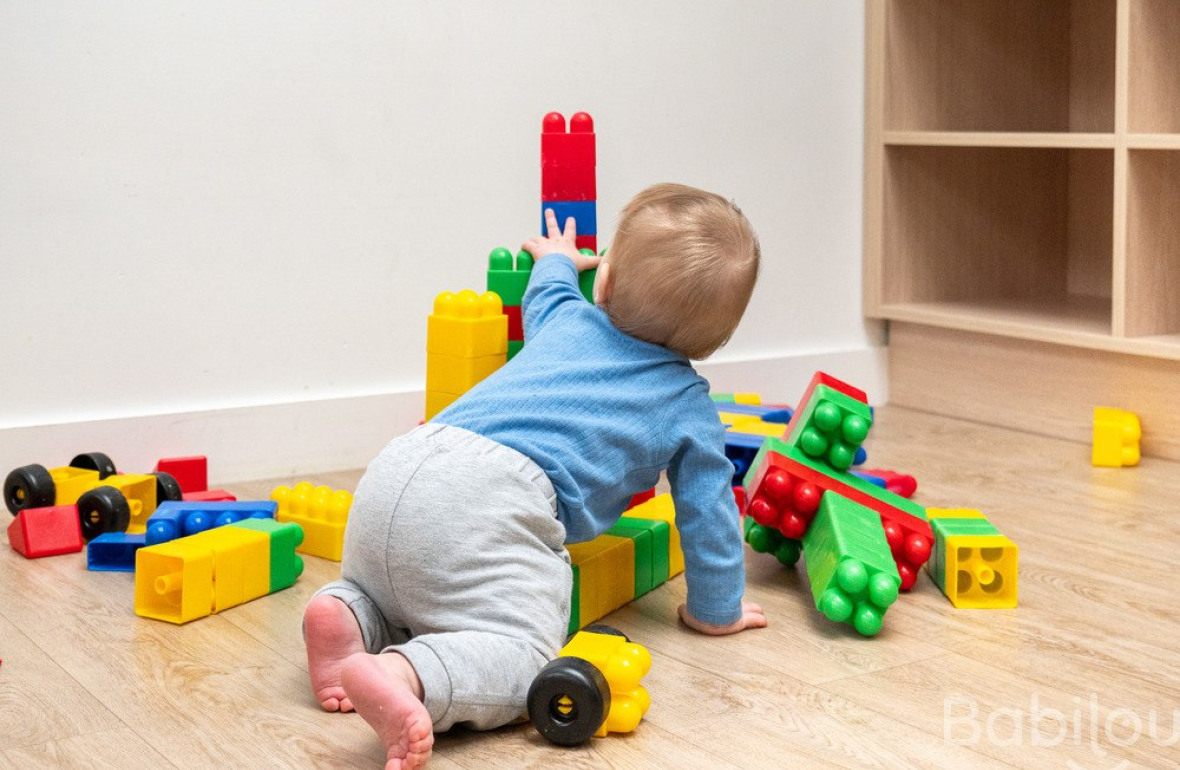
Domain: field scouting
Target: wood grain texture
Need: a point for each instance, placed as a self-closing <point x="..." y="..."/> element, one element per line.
<point x="1153" y="243"/>
<point x="1154" y="95"/>
<point x="1096" y="616"/>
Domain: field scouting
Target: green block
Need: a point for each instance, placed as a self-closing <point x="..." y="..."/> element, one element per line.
<point x="575" y="602"/>
<point x="514" y="347"/>
<point x="853" y="577"/>
<point x="507" y="279"/>
<point x="830" y="427"/>
<point x="661" y="542"/>
<point x="642" y="533"/>
<point x="766" y="540"/>
<point x="285" y="565"/>
<point x="586" y="279"/>
<point x="944" y="528"/>
<point x="723" y="398"/>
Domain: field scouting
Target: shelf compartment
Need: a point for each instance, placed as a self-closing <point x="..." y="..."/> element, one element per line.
<point x="1000" y="65"/>
<point x="1005" y="228"/>
<point x="1153" y="243"/>
<point x="1154" y="87"/>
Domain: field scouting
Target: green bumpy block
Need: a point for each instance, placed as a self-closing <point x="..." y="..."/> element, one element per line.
<point x="853" y="577"/>
<point x="507" y="278"/>
<point x="831" y="426"/>
<point x="586" y="279"/>
<point x="651" y="550"/>
<point x="575" y="603"/>
<point x="285" y="565"/>
<point x="944" y="528"/>
<point x="766" y="540"/>
<point x="514" y="347"/>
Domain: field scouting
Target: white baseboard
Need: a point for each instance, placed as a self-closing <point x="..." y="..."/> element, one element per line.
<point x="307" y="437"/>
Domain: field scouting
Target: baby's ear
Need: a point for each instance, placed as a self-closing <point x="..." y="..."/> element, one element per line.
<point x="602" y="283"/>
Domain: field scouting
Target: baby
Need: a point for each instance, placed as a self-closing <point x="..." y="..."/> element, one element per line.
<point x="455" y="587"/>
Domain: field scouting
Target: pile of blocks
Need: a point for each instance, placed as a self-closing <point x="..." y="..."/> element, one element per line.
<point x="569" y="181"/>
<point x="466" y="340"/>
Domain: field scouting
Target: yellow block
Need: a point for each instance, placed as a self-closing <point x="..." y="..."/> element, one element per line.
<point x="321" y="511"/>
<point x="467" y="325"/>
<point x="437" y="401"/>
<point x="1116" y="438"/>
<point x="953" y="513"/>
<point x="747" y="399"/>
<point x="751" y="423"/>
<point x="71" y="483"/>
<point x="606" y="569"/>
<point x="661" y="508"/>
<point x="623" y="664"/>
<point x="981" y="571"/>
<point x="193" y="576"/>
<point x="454" y="374"/>
<point x="140" y="491"/>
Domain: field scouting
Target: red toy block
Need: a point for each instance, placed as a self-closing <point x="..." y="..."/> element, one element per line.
<point x="37" y="532"/>
<point x="587" y="242"/>
<point x="901" y="484"/>
<point x="515" y="323"/>
<point x="192" y="473"/>
<point x="209" y="496"/>
<point x="739" y="497"/>
<point x="641" y="497"/>
<point x="568" y="159"/>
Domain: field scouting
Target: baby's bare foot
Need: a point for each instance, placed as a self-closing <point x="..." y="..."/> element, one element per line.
<point x="332" y="634"/>
<point x="380" y="687"/>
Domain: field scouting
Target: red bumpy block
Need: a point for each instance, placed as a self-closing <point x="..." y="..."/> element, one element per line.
<point x="739" y="497"/>
<point x="209" y="496"/>
<point x="901" y="484"/>
<point x="192" y="473"/>
<point x="568" y="159"/>
<point x="642" y="497"/>
<point x="515" y="323"/>
<point x="37" y="532"/>
<point x="587" y="242"/>
<point x="782" y="500"/>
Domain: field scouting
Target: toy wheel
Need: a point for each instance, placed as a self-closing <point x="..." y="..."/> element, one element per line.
<point x="95" y="461"/>
<point x="167" y="487"/>
<point x="603" y="628"/>
<point x="103" y="509"/>
<point x="29" y="486"/>
<point x="568" y="701"/>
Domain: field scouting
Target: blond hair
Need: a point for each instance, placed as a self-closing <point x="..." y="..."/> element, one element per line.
<point x="682" y="267"/>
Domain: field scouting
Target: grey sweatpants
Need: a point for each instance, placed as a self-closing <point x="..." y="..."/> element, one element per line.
<point x="453" y="556"/>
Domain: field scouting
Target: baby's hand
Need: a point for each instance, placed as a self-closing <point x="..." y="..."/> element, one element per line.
<point x="752" y="617"/>
<point x="560" y="242"/>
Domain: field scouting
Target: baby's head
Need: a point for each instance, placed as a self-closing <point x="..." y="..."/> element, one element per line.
<point x="680" y="269"/>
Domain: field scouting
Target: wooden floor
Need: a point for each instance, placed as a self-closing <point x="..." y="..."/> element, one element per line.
<point x="86" y="683"/>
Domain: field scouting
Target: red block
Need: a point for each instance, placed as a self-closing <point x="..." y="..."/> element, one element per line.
<point x="739" y="497"/>
<point x="209" y="496"/>
<point x="587" y="242"/>
<point x="515" y="323"/>
<point x="568" y="159"/>
<point x="901" y="484"/>
<point x="37" y="532"/>
<point x="642" y="497"/>
<point x="192" y="473"/>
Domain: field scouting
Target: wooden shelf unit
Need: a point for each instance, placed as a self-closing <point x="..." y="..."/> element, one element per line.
<point x="1022" y="171"/>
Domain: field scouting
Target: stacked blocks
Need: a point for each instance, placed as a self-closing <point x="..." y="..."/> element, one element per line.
<point x="1116" y="438"/>
<point x="853" y="577"/>
<point x="510" y="279"/>
<point x="189" y="578"/>
<point x="973" y="563"/>
<point x="38" y="532"/>
<point x="192" y="473"/>
<point x="606" y="575"/>
<point x="466" y="340"/>
<point x="321" y="511"/>
<point x="174" y="520"/>
<point x="568" y="175"/>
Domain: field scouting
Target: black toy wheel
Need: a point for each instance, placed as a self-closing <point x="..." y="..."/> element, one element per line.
<point x="568" y="701"/>
<point x="29" y="486"/>
<point x="167" y="487"/>
<point x="103" y="509"/>
<point x="94" y="461"/>
<point x="603" y="628"/>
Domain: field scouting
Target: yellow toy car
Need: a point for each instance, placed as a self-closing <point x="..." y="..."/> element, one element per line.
<point x="108" y="501"/>
<point x="592" y="688"/>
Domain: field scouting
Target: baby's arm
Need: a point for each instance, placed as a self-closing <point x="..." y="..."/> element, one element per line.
<point x="552" y="282"/>
<point x="710" y="535"/>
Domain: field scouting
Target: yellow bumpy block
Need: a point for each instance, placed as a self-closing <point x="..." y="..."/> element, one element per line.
<point x="455" y="374"/>
<point x="467" y="325"/>
<point x="624" y="664"/>
<point x="321" y="511"/>
<point x="747" y="399"/>
<point x="437" y="401"/>
<point x="1116" y="438"/>
<point x="606" y="568"/>
<point x="661" y="508"/>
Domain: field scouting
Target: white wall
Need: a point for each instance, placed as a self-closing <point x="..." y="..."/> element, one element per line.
<point x="223" y="205"/>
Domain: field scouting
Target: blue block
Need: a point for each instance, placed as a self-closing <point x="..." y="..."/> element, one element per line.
<point x="780" y="416"/>
<point x="583" y="212"/>
<point x="174" y="519"/>
<point x="861" y="456"/>
<point x="113" y="552"/>
<point x="741" y="448"/>
<point x="775" y="414"/>
<point x="871" y="478"/>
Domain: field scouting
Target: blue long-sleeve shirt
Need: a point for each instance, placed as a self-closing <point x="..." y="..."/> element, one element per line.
<point x="603" y="413"/>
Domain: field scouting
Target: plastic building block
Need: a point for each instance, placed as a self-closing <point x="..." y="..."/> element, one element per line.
<point x="606" y="566"/>
<point x="467" y="325"/>
<point x="181" y="519"/>
<point x="641" y="497"/>
<point x="192" y="473"/>
<point x="739" y="498"/>
<point x="876" y="481"/>
<point x="823" y="378"/>
<point x="321" y="511"/>
<point x="514" y="347"/>
<point x="651" y="550"/>
<point x="751" y="424"/>
<point x="438" y="401"/>
<point x="973" y="563"/>
<point x="584" y="213"/>
<point x="741" y="454"/>
<point x="1116" y="438"/>
<point x="575" y="603"/>
<point x="113" y="552"/>
<point x="853" y="577"/>
<point x="568" y="159"/>
<point x="768" y="540"/>
<point x="586" y="280"/>
<point x="51" y="531"/>
<point x="898" y="483"/>
<point x="454" y="374"/>
<point x="209" y="496"/>
<point x="661" y="508"/>
<point x="587" y="242"/>
<point x="191" y="577"/>
<point x="830" y="426"/>
<point x="508" y="276"/>
<point x="515" y="323"/>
